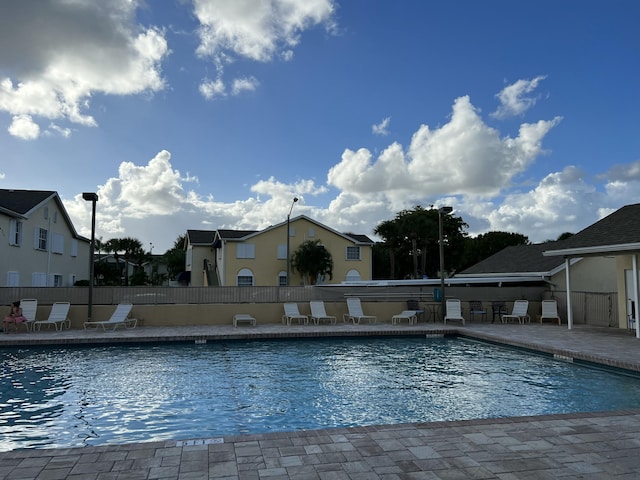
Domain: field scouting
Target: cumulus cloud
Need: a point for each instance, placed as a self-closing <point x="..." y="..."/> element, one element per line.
<point x="382" y="128"/>
<point x="515" y="98"/>
<point x="24" y="127"/>
<point x="461" y="157"/>
<point x="256" y="30"/>
<point x="54" y="72"/>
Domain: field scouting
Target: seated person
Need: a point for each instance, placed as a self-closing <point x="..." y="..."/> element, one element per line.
<point x="15" y="316"/>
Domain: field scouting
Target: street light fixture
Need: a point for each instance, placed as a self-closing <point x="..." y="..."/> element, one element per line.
<point x="295" y="199"/>
<point x="93" y="198"/>
<point x="441" y="212"/>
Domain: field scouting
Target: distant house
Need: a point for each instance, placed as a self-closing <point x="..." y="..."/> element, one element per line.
<point x="259" y="257"/>
<point x="616" y="238"/>
<point x="39" y="245"/>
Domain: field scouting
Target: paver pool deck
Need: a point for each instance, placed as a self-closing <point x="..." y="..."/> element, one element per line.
<point x="597" y="445"/>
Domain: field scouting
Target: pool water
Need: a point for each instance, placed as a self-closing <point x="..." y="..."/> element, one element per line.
<point x="75" y="396"/>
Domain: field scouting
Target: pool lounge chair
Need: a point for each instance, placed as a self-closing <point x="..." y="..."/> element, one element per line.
<point x="410" y="315"/>
<point x="319" y="313"/>
<point x="119" y="317"/>
<point x="29" y="307"/>
<point x="453" y="310"/>
<point x="355" y="312"/>
<point x="519" y="312"/>
<point x="291" y="312"/>
<point x="243" y="317"/>
<point x="58" y="317"/>
<point x="550" y="311"/>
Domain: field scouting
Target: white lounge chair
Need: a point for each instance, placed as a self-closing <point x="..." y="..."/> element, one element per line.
<point x="410" y="315"/>
<point x="454" y="310"/>
<point x="119" y="317"/>
<point x="29" y="308"/>
<point x="58" y="317"/>
<point x="550" y="311"/>
<point x="518" y="313"/>
<point x="319" y="313"/>
<point x="355" y="312"/>
<point x="243" y="317"/>
<point x="291" y="312"/>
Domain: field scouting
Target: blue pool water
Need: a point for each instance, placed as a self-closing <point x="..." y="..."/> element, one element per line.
<point x="74" y="396"/>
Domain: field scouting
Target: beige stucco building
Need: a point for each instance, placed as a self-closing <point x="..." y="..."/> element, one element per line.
<point x="39" y="246"/>
<point x="259" y="257"/>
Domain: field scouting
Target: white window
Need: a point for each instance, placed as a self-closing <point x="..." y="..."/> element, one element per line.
<point x="246" y="250"/>
<point x="40" y="239"/>
<point x="56" y="280"/>
<point x="189" y="256"/>
<point x="46" y="213"/>
<point x="353" y="253"/>
<point x="282" y="251"/>
<point x="244" y="278"/>
<point x="74" y="249"/>
<point x="55" y="217"/>
<point x="312" y="232"/>
<point x="353" y="276"/>
<point x="13" y="279"/>
<point x="38" y="279"/>
<point x="292" y="231"/>
<point x="282" y="279"/>
<point x="15" y="232"/>
<point x="57" y="243"/>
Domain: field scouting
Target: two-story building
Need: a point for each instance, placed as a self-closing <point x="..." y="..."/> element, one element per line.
<point x="39" y="247"/>
<point x="259" y="257"/>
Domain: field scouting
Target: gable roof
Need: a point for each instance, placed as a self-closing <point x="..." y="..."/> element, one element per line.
<point x="518" y="259"/>
<point x="618" y="232"/>
<point x="237" y="235"/>
<point x="200" y="237"/>
<point x="19" y="203"/>
<point x="22" y="203"/>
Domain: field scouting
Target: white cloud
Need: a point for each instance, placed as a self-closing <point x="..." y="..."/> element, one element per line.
<point x="256" y="30"/>
<point x="212" y="88"/>
<point x="23" y="126"/>
<point x="462" y="157"/>
<point x="382" y="128"/>
<point x="247" y="84"/>
<point x="54" y="72"/>
<point x="514" y="100"/>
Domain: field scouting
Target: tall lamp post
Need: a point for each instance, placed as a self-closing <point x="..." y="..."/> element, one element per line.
<point x="295" y="199"/>
<point x="441" y="212"/>
<point x="93" y="198"/>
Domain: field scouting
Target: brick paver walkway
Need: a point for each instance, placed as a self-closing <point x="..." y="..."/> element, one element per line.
<point x="586" y="446"/>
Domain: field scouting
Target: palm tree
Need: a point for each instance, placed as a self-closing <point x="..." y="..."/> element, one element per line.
<point x="311" y="260"/>
<point x="127" y="248"/>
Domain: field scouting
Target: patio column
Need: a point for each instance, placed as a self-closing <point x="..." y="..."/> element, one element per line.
<point x="567" y="269"/>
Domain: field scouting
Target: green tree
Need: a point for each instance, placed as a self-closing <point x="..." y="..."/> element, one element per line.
<point x="312" y="260"/>
<point x="411" y="240"/>
<point x="174" y="258"/>
<point x="130" y="250"/>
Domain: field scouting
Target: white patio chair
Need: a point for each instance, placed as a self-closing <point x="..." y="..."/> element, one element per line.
<point x="550" y="311"/>
<point x="291" y="312"/>
<point x="453" y="310"/>
<point x="355" y="312"/>
<point x="319" y="313"/>
<point x="518" y="313"/>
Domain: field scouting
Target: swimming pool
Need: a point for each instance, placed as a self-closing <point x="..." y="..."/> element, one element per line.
<point x="74" y="396"/>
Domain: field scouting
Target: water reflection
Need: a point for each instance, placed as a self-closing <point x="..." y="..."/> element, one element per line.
<point x="101" y="395"/>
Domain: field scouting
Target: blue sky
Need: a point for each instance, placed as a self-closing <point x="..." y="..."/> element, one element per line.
<point x="205" y="114"/>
